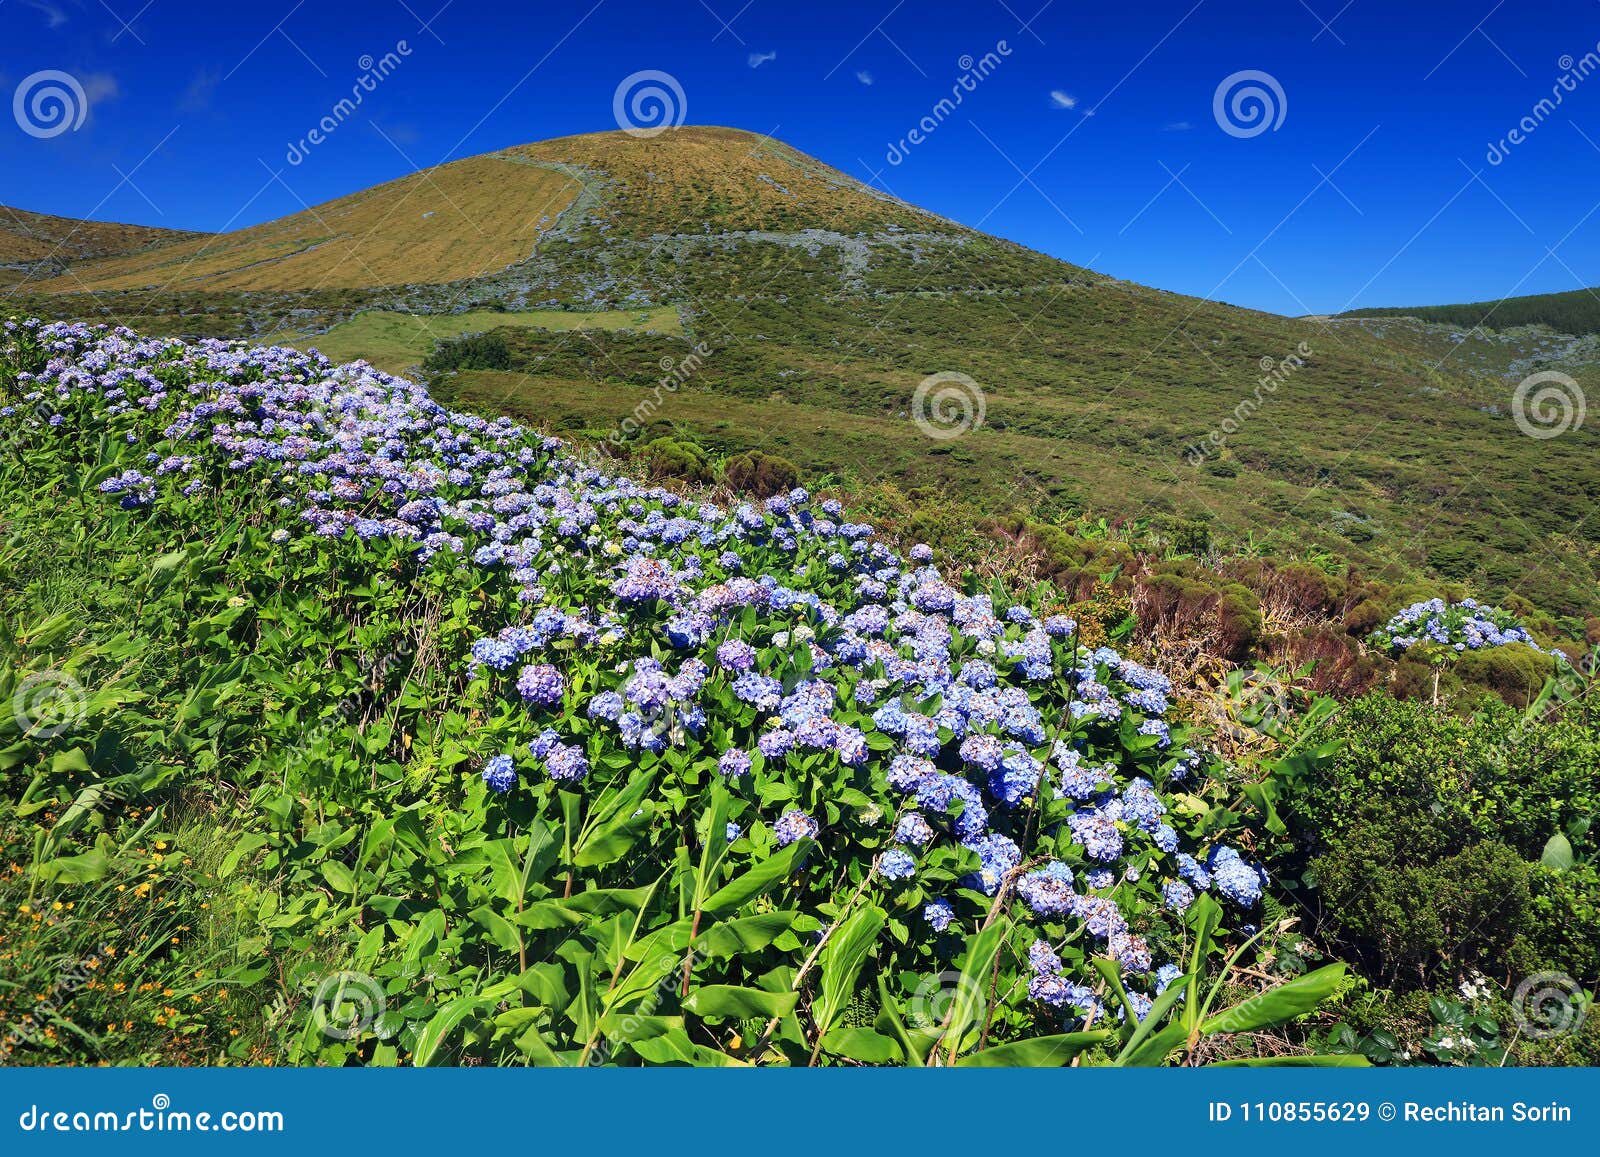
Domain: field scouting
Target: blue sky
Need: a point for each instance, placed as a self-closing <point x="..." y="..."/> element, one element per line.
<point x="1093" y="137"/>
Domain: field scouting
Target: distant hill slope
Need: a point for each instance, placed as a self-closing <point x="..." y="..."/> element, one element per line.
<point x="457" y="221"/>
<point x="1575" y="312"/>
<point x="813" y="308"/>
<point x="38" y="245"/>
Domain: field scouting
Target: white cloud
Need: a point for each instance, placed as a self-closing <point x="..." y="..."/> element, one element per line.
<point x="54" y="16"/>
<point x="864" y="77"/>
<point x="98" y="86"/>
<point x="757" y="59"/>
<point x="1059" y="99"/>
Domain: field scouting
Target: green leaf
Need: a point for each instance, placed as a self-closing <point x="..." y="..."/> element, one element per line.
<point x="760" y="879"/>
<point x="862" y="1044"/>
<point x="915" y="1048"/>
<point x="1557" y="854"/>
<point x="1153" y="1020"/>
<point x="1039" y="1052"/>
<point x="613" y="827"/>
<point x="610" y="842"/>
<point x="1155" y="1048"/>
<point x="745" y="934"/>
<point x="74" y="759"/>
<point x="629" y="1027"/>
<point x="85" y="869"/>
<point x="840" y="964"/>
<point x="579" y="909"/>
<point x="339" y="877"/>
<point x="500" y="930"/>
<point x="972" y="985"/>
<point x="1279" y="1005"/>
<point x="433" y="1035"/>
<point x="741" y="1003"/>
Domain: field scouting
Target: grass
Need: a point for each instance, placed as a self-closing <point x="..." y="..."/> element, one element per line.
<point x="398" y="341"/>
<point x="27" y="238"/>
<point x="456" y="221"/>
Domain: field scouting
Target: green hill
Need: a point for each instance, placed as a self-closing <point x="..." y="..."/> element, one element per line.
<point x="1574" y="312"/>
<point x="810" y="311"/>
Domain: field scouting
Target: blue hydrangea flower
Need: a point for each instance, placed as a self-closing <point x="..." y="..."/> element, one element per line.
<point x="794" y="825"/>
<point x="938" y="914"/>
<point x="500" y="773"/>
<point x="896" y="865"/>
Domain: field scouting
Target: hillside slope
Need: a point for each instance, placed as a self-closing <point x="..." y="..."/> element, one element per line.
<point x="457" y="221"/>
<point x="40" y="246"/>
<point x="814" y="308"/>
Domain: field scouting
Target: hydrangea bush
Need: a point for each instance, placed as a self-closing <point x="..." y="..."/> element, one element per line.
<point x="1458" y="627"/>
<point x="698" y="761"/>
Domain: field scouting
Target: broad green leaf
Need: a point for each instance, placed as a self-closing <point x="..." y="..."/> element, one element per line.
<point x="1039" y="1052"/>
<point x="1557" y="855"/>
<point x="85" y="869"/>
<point x="629" y="1027"/>
<point x="1279" y="1005"/>
<point x="339" y="877"/>
<point x="745" y="934"/>
<point x="610" y="842"/>
<point x="760" y="879"/>
<point x="862" y="1044"/>
<point x="434" y="1034"/>
<point x="582" y="908"/>
<point x="915" y="1044"/>
<point x="1153" y="1020"/>
<point x="732" y="1001"/>
<point x="1157" y="1047"/>
<point x="971" y="992"/>
<point x="500" y="930"/>
<point x="840" y="964"/>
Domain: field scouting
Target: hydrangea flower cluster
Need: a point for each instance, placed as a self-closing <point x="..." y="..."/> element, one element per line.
<point x="774" y="641"/>
<point x="1458" y="627"/>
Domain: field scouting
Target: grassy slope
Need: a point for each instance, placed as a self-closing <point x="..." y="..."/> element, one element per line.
<point x="39" y="245"/>
<point x="456" y="221"/>
<point x="398" y="341"/>
<point x="825" y="303"/>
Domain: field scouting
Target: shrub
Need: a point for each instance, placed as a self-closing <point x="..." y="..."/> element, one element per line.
<point x="1181" y="600"/>
<point x="473" y="351"/>
<point x="1470" y="910"/>
<point x="1428" y="824"/>
<point x="761" y="475"/>
<point x="1515" y="673"/>
<point x="671" y="458"/>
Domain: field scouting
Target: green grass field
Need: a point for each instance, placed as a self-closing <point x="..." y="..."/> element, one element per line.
<point x="398" y="341"/>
